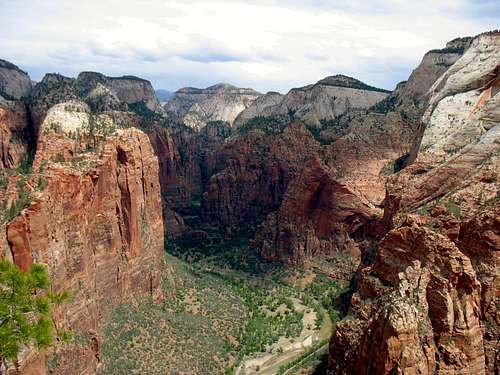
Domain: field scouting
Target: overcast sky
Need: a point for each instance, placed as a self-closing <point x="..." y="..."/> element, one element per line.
<point x="267" y="45"/>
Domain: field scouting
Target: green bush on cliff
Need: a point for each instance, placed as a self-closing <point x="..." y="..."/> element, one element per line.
<point x="26" y="311"/>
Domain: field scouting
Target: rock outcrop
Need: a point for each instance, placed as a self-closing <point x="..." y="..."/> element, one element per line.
<point x="259" y="107"/>
<point x="425" y="304"/>
<point x="250" y="173"/>
<point x="128" y="89"/>
<point x="421" y="299"/>
<point x="318" y="216"/>
<point x="197" y="107"/>
<point x="14" y="83"/>
<point x="89" y="209"/>
<point x="15" y="137"/>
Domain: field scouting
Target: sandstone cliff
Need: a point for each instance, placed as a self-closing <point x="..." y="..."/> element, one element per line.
<point x="425" y="304"/>
<point x="90" y="209"/>
<point x="14" y="83"/>
<point x="222" y="102"/>
<point x="314" y="104"/>
<point x="15" y="139"/>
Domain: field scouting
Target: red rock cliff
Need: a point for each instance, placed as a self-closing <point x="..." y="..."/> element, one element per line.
<point x="95" y="221"/>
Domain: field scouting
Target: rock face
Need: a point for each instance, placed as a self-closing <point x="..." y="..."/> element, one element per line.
<point x="14" y="133"/>
<point x="95" y="217"/>
<point x="315" y="209"/>
<point x="101" y="93"/>
<point x="14" y="83"/>
<point x="128" y="89"/>
<point x="312" y="104"/>
<point x="424" y="309"/>
<point x="197" y="107"/>
<point x="258" y="107"/>
<point x="251" y="171"/>
<point x="315" y="186"/>
<point x="425" y="304"/>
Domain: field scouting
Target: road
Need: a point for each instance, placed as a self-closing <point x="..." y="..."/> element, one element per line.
<point x="269" y="363"/>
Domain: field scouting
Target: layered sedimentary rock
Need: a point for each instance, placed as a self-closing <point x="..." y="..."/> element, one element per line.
<point x="315" y="209"/>
<point x="14" y="133"/>
<point x="128" y="89"/>
<point x="425" y="305"/>
<point x="259" y="107"/>
<point x="251" y="171"/>
<point x="418" y="308"/>
<point x="360" y="150"/>
<point x="95" y="218"/>
<point x="314" y="104"/>
<point x="101" y="93"/>
<point x="14" y="83"/>
<point x="197" y="107"/>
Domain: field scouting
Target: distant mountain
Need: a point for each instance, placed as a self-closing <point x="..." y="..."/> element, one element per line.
<point x="164" y="95"/>
<point x="312" y="104"/>
<point x="221" y="102"/>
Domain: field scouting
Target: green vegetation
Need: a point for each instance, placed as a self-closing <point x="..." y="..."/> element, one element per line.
<point x="148" y="117"/>
<point x="349" y="82"/>
<point x="395" y="165"/>
<point x="26" y="311"/>
<point x="24" y="200"/>
<point x="190" y="332"/>
<point x="386" y="105"/>
<point x="269" y="125"/>
<point x="453" y="209"/>
<point x="100" y="127"/>
<point x="459" y="50"/>
<point x="25" y="167"/>
<point x="228" y="305"/>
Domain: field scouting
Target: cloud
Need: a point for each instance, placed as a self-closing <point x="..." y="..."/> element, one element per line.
<point x="268" y="45"/>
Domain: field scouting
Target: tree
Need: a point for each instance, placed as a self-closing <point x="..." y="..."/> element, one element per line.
<point x="26" y="311"/>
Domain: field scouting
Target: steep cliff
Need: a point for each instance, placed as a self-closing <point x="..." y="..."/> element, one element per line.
<point x="426" y="302"/>
<point x="89" y="208"/>
<point x="15" y="137"/>
<point x="14" y="83"/>
<point x="222" y="102"/>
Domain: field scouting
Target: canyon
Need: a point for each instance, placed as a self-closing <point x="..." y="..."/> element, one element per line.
<point x="391" y="194"/>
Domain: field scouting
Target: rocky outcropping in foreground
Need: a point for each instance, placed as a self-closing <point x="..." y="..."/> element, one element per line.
<point x="426" y="303"/>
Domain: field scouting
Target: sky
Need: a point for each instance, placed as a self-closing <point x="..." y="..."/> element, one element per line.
<point x="266" y="45"/>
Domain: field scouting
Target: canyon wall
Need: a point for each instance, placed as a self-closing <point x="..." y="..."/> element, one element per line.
<point x="90" y="209"/>
<point x="425" y="304"/>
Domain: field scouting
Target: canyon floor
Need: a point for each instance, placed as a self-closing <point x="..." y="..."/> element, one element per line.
<point x="226" y="312"/>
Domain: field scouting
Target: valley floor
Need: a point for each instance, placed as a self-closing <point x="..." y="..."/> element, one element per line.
<point x="225" y="313"/>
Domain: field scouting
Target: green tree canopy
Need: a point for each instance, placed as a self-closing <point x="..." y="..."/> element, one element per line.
<point x="25" y="310"/>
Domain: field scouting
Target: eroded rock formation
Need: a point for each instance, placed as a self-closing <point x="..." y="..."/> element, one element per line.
<point x="425" y="304"/>
<point x="197" y="107"/>
<point x="91" y="211"/>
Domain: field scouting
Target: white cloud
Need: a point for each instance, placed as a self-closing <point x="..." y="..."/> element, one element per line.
<point x="262" y="44"/>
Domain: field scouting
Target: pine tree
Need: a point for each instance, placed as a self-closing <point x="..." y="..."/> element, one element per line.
<point x="26" y="311"/>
